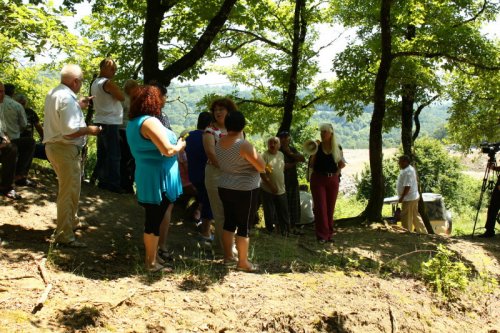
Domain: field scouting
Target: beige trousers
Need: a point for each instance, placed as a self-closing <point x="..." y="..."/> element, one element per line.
<point x="410" y="218"/>
<point x="212" y="175"/>
<point x="65" y="159"/>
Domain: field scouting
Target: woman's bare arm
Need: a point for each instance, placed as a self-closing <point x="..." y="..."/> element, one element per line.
<point x="209" y="146"/>
<point x="153" y="130"/>
<point x="248" y="152"/>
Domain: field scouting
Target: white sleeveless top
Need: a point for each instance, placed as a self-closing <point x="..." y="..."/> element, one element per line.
<point x="108" y="110"/>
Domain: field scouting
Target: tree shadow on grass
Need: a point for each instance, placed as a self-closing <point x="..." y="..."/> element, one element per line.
<point x="114" y="238"/>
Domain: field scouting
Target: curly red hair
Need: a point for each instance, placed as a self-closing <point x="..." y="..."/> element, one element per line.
<point x="147" y="101"/>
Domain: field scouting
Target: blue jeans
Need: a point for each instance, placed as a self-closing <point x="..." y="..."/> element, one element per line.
<point x="108" y="157"/>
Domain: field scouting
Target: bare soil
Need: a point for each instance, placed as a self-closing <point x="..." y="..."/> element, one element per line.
<point x="103" y="288"/>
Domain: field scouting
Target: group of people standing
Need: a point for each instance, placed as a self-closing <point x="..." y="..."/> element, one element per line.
<point x="225" y="168"/>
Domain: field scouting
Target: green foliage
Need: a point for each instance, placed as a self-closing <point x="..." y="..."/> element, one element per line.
<point x="438" y="172"/>
<point x="363" y="181"/>
<point x="428" y="37"/>
<point x="475" y="109"/>
<point x="445" y="275"/>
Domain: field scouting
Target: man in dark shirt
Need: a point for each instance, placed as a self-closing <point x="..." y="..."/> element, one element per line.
<point x="493" y="207"/>
<point x="292" y="158"/>
<point x="33" y="123"/>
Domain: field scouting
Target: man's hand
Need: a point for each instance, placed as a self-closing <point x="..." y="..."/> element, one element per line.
<point x="84" y="102"/>
<point x="181" y="144"/>
<point x="94" y="130"/>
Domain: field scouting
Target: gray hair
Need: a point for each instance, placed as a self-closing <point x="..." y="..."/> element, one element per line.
<point x="71" y="71"/>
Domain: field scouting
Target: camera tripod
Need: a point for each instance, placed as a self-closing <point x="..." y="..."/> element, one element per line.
<point x="488" y="184"/>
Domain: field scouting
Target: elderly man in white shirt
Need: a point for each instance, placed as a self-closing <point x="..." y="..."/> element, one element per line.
<point x="65" y="134"/>
<point x="407" y="190"/>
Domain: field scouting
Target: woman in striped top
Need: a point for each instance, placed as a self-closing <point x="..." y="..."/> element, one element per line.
<point x="238" y="188"/>
<point x="219" y="108"/>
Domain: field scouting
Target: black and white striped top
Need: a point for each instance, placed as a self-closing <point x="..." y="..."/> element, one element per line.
<point x="237" y="172"/>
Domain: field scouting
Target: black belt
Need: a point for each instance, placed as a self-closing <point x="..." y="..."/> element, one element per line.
<point x="326" y="174"/>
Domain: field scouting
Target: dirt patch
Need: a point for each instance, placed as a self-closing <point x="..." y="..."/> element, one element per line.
<point x="302" y="286"/>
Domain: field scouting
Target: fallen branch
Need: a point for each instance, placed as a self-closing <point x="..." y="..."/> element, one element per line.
<point x="48" y="286"/>
<point x="394" y="327"/>
<point x="43" y="271"/>
<point x="18" y="277"/>
<point x="42" y="299"/>
<point x="407" y="254"/>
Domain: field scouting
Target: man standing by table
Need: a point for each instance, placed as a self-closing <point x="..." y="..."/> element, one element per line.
<point x="407" y="190"/>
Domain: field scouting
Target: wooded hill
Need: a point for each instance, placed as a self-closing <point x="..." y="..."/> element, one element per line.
<point x="185" y="104"/>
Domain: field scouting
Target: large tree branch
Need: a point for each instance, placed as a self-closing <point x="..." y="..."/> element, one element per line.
<point x="473" y="18"/>
<point x="262" y="39"/>
<point x="446" y="56"/>
<point x="259" y="102"/>
<point x="234" y="49"/>
<point x="416" y="116"/>
<point x="312" y="102"/>
<point x="151" y="35"/>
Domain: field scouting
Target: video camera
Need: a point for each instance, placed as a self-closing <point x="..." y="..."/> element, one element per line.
<point x="490" y="148"/>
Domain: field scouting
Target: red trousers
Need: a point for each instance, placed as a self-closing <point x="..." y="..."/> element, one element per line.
<point x="324" y="191"/>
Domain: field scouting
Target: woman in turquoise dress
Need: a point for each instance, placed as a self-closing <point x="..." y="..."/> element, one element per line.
<point x="157" y="177"/>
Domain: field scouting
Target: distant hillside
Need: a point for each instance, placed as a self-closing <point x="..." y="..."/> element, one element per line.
<point x="182" y="112"/>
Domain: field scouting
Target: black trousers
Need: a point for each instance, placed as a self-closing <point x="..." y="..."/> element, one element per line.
<point x="493" y="210"/>
<point x="25" y="151"/>
<point x="8" y="158"/>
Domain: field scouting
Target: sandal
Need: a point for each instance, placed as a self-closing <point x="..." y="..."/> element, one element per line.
<point x="12" y="195"/>
<point x="165" y="256"/>
<point x="252" y="269"/>
<point x="230" y="262"/>
<point x="25" y="182"/>
<point x="159" y="269"/>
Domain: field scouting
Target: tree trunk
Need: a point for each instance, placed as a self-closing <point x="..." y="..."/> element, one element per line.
<point x="154" y="17"/>
<point x="416" y="116"/>
<point x="299" y="34"/>
<point x="155" y="12"/>
<point x="373" y="211"/>
<point x="407" y="102"/>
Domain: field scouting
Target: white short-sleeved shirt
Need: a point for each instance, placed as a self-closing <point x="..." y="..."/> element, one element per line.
<point x="306" y="207"/>
<point x="408" y="177"/>
<point x="277" y="176"/>
<point x="108" y="110"/>
<point x="13" y="117"/>
<point x="63" y="116"/>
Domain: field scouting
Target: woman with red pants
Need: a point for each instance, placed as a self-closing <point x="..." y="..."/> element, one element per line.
<point x="326" y="164"/>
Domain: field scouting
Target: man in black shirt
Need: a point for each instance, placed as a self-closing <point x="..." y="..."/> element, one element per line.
<point x="292" y="158"/>
<point x="494" y="206"/>
<point x="33" y="123"/>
